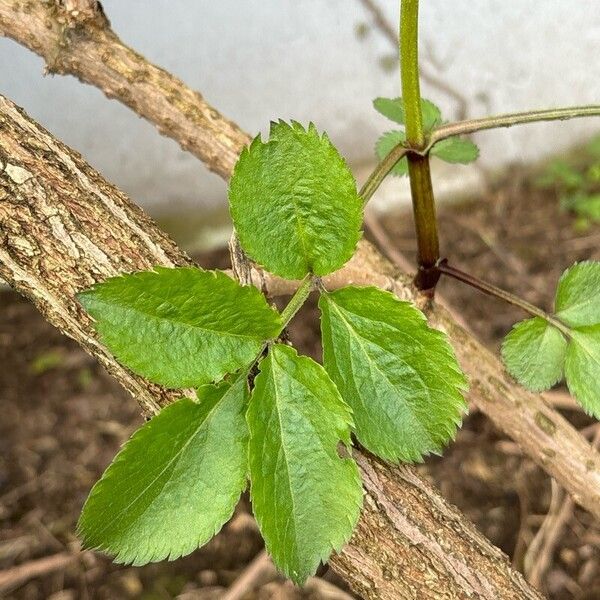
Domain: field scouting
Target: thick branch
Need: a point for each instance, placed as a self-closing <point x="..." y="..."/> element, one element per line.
<point x="72" y="43"/>
<point x="63" y="228"/>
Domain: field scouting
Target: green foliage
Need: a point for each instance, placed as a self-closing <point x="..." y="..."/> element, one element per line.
<point x="181" y="327"/>
<point x="578" y="187"/>
<point x="46" y="361"/>
<point x="175" y="483"/>
<point x="452" y="150"/>
<point x="578" y="295"/>
<point x="560" y="173"/>
<point x="386" y="143"/>
<point x="456" y="150"/>
<point x="294" y="203"/>
<point x="585" y="206"/>
<point x="393" y="109"/>
<point x="536" y="352"/>
<point x="306" y="498"/>
<point x="582" y="368"/>
<point x="399" y="376"/>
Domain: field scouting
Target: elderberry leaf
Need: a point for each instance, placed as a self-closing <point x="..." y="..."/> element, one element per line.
<point x="294" y="203"/>
<point x="393" y="109"/>
<point x="386" y="143"/>
<point x="582" y="368"/>
<point x="578" y="295"/>
<point x="175" y="482"/>
<point x="400" y="377"/>
<point x="534" y="354"/>
<point x="305" y="496"/>
<point x="456" y="150"/>
<point x="181" y="327"/>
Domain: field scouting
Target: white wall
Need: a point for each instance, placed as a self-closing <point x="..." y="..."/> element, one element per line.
<point x="302" y="59"/>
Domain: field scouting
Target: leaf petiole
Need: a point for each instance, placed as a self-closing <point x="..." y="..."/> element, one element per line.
<point x="492" y="290"/>
<point x="297" y="300"/>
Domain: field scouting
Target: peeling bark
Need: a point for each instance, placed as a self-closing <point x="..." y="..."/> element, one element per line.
<point x="62" y="228"/>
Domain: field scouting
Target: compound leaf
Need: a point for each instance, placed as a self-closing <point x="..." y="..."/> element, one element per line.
<point x="578" y="295"/>
<point x="582" y="368"/>
<point x="456" y="150"/>
<point x="294" y="203"/>
<point x="534" y="354"/>
<point x="400" y="377"/>
<point x="175" y="482"/>
<point x="181" y="327"/>
<point x="385" y="144"/>
<point x="306" y="498"/>
<point x="393" y="109"/>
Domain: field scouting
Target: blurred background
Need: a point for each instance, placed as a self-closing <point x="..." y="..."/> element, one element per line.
<point x="527" y="209"/>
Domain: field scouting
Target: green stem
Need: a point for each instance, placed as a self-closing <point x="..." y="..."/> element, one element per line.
<point x="297" y="300"/>
<point x="472" y="126"/>
<point x="380" y="172"/>
<point x="409" y="72"/>
<point x="492" y="290"/>
<point x="509" y="120"/>
<point x="428" y="252"/>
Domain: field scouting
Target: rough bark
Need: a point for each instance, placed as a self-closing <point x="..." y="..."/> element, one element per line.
<point x="63" y="228"/>
<point x="409" y="539"/>
<point x="71" y="42"/>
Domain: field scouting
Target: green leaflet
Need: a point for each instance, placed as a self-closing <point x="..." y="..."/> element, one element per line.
<point x="294" y="203"/>
<point x="175" y="482"/>
<point x="400" y="377"/>
<point x="181" y="327"/>
<point x="582" y="368"/>
<point x="393" y="109"/>
<point x="456" y="150"/>
<point x="306" y="498"/>
<point x="452" y="150"/>
<point x="578" y="295"/>
<point x="386" y="143"/>
<point x="534" y="354"/>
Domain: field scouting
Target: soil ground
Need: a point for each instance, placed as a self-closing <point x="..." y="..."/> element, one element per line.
<point x="63" y="419"/>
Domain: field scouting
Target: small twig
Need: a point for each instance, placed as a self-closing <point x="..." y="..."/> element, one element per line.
<point x="258" y="572"/>
<point x="496" y="292"/>
<point x="561" y="400"/>
<point x="509" y="120"/>
<point x="11" y="578"/>
<point x="541" y="551"/>
<point x="324" y="590"/>
<point x="385" y="243"/>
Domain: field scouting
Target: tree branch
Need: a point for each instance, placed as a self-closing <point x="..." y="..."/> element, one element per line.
<point x="89" y="50"/>
<point x="63" y="228"/>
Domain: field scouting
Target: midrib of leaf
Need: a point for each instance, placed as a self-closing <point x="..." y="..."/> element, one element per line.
<point x="189" y="326"/>
<point x="175" y="459"/>
<point x="539" y="356"/>
<point x="284" y="451"/>
<point x="300" y="230"/>
<point x="357" y="335"/>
